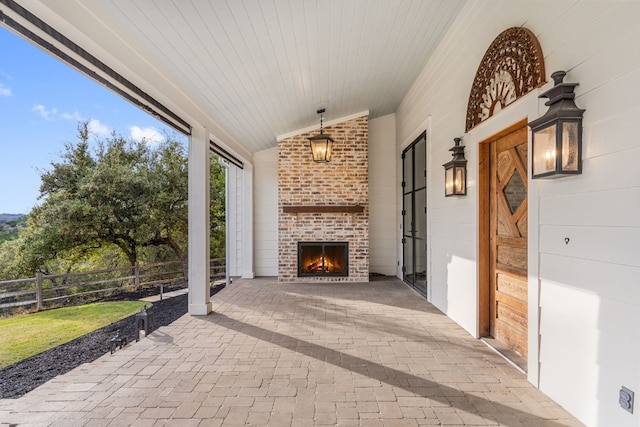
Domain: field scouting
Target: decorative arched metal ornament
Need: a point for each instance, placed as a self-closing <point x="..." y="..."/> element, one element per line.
<point x="511" y="67"/>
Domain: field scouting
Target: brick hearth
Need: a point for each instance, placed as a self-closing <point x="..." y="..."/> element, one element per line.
<point x="341" y="182"/>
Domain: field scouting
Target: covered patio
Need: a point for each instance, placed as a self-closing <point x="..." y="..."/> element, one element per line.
<point x="548" y="267"/>
<point x="362" y="354"/>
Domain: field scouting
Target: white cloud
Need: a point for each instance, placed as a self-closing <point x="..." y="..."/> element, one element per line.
<point x="150" y="134"/>
<point x="4" y="91"/>
<point x="98" y="129"/>
<point x="46" y="114"/>
<point x="75" y="116"/>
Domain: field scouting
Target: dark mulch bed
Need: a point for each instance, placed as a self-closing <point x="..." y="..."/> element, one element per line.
<point x="22" y="377"/>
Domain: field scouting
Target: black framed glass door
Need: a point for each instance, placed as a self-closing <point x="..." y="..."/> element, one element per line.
<point x="414" y="214"/>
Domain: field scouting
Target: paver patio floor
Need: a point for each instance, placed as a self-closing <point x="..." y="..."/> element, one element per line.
<point x="360" y="354"/>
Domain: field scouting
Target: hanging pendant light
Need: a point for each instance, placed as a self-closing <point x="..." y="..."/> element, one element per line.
<point x="321" y="144"/>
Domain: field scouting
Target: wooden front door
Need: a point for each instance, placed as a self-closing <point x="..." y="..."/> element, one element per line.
<point x="507" y="239"/>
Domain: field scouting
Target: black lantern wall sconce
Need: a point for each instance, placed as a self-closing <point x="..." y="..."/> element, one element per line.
<point x="557" y="136"/>
<point x="321" y="144"/>
<point x="455" y="171"/>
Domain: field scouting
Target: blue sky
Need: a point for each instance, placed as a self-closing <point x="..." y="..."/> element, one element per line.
<point x="41" y="102"/>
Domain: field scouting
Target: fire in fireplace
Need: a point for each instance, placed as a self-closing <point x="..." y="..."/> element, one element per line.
<point x="323" y="259"/>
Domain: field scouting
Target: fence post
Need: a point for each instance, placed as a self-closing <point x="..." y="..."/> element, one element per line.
<point x="136" y="280"/>
<point x="39" y="304"/>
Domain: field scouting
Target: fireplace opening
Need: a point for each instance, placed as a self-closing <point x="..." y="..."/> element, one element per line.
<point x="323" y="259"/>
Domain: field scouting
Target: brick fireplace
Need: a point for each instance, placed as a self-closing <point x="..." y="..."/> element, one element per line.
<point x="324" y="203"/>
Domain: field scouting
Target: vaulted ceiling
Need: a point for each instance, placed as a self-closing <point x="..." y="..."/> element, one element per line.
<point x="250" y="70"/>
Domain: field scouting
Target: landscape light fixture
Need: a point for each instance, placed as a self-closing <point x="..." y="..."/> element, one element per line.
<point x="557" y="136"/>
<point x="455" y="171"/>
<point x="321" y="144"/>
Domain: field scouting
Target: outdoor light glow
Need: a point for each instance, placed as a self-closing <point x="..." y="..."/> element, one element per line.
<point x="550" y="156"/>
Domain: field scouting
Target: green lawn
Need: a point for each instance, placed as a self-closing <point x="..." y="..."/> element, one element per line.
<point x="30" y="334"/>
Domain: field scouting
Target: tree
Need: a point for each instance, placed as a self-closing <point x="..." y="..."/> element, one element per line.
<point x="37" y="250"/>
<point x="98" y="201"/>
<point x="217" y="214"/>
<point x="126" y="194"/>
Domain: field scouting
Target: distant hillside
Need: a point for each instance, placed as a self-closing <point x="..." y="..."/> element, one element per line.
<point x="10" y="224"/>
<point x="5" y="217"/>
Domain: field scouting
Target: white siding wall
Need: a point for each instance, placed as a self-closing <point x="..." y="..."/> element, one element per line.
<point x="266" y="212"/>
<point x="382" y="195"/>
<point x="587" y="292"/>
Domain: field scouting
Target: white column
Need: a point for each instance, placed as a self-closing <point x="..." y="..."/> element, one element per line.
<point x="233" y="216"/>
<point x="227" y="248"/>
<point x="199" y="236"/>
<point x="247" y="222"/>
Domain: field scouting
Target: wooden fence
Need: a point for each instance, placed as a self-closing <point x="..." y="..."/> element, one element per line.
<point x="48" y="291"/>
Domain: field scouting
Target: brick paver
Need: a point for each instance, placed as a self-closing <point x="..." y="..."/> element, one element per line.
<point x="347" y="354"/>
